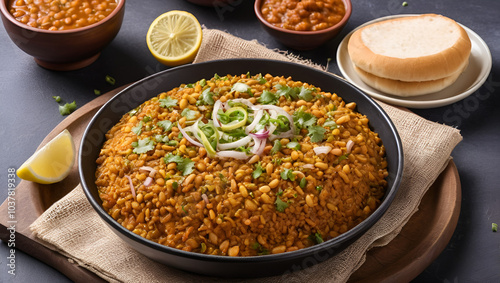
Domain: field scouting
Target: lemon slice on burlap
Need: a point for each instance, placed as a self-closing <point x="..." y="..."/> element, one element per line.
<point x="174" y="38"/>
<point x="51" y="163"/>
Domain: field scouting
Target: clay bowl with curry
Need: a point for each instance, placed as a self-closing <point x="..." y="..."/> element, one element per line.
<point x="62" y="35"/>
<point x="303" y="25"/>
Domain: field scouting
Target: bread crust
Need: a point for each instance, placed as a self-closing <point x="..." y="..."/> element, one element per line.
<point x="425" y="68"/>
<point x="407" y="89"/>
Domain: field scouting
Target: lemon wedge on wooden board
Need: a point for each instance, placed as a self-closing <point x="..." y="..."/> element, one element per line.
<point x="51" y="163"/>
<point x="174" y="38"/>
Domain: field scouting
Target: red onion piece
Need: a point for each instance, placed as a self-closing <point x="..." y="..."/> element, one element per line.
<point x="322" y="149"/>
<point x="262" y="134"/>
<point x="148" y="181"/>
<point x="131" y="185"/>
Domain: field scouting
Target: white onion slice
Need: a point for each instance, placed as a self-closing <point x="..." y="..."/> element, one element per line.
<point x="131" y="185"/>
<point x="217" y="106"/>
<point x="184" y="133"/>
<point x="322" y="149"/>
<point x="233" y="154"/>
<point x="258" y="115"/>
<point x="241" y="142"/>
<point x="349" y="146"/>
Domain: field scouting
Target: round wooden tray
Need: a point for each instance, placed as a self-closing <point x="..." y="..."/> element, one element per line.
<point x="421" y="240"/>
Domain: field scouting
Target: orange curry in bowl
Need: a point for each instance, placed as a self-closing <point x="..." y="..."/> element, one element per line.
<point x="308" y="15"/>
<point x="60" y="14"/>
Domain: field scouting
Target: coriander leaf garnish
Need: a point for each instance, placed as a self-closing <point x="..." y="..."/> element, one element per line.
<point x="293" y="145"/>
<point x="143" y="146"/>
<point x="276" y="147"/>
<point x="206" y="97"/>
<point x="166" y="125"/>
<point x="316" y="133"/>
<point x="316" y="238"/>
<point x="287" y="174"/>
<point x="185" y="165"/>
<point x="280" y="205"/>
<point x="168" y="102"/>
<point x="67" y="108"/>
<point x="137" y="129"/>
<point x="306" y="94"/>
<point x="288" y="92"/>
<point x="189" y="114"/>
<point x="258" y="171"/>
<point x="268" y="97"/>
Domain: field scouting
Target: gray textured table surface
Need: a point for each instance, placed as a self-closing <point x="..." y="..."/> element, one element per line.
<point x="26" y="90"/>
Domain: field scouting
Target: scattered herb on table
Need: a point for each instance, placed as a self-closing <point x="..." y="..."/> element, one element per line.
<point x="97" y="92"/>
<point x="494" y="227"/>
<point x="110" y="80"/>
<point x="67" y="108"/>
<point x="57" y="98"/>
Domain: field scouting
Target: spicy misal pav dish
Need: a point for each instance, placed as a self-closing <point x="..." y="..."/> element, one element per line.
<point x="60" y="14"/>
<point x="242" y="165"/>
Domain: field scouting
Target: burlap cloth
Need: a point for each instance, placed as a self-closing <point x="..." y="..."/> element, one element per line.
<point x="72" y="228"/>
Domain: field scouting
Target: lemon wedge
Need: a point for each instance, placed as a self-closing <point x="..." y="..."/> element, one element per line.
<point x="52" y="163"/>
<point x="174" y="38"/>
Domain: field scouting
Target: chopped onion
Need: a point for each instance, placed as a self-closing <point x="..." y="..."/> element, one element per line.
<point x="240" y="87"/>
<point x="308" y="166"/>
<point x="205" y="198"/>
<point x="148" y="181"/>
<point x="184" y="133"/>
<point x="322" y="149"/>
<point x="131" y="185"/>
<point x="259" y="146"/>
<point x="151" y="170"/>
<point x="241" y="142"/>
<point x="232" y="153"/>
<point x="349" y="146"/>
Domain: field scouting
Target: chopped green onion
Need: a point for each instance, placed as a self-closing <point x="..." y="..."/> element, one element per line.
<point x="110" y="80"/>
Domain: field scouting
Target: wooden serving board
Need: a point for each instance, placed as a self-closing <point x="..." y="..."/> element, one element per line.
<point x="421" y="240"/>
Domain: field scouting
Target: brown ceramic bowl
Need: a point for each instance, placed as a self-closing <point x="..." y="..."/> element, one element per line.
<point x="66" y="49"/>
<point x="303" y="40"/>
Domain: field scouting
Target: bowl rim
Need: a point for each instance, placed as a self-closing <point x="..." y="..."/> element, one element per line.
<point x="356" y="231"/>
<point x="348" y="12"/>
<point x="7" y="15"/>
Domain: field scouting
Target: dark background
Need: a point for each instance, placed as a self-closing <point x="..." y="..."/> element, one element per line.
<point x="28" y="113"/>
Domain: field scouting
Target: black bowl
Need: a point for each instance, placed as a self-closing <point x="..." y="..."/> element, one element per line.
<point x="225" y="266"/>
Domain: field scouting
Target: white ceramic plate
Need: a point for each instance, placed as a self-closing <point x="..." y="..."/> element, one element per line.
<point x="474" y="76"/>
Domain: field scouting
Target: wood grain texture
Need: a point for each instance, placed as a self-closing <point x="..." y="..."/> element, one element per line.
<point x="421" y="240"/>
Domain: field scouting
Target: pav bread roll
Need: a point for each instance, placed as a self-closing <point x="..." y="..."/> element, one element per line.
<point x="407" y="89"/>
<point x="427" y="47"/>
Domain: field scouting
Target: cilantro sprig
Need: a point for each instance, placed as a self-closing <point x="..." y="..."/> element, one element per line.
<point x="185" y="165"/>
